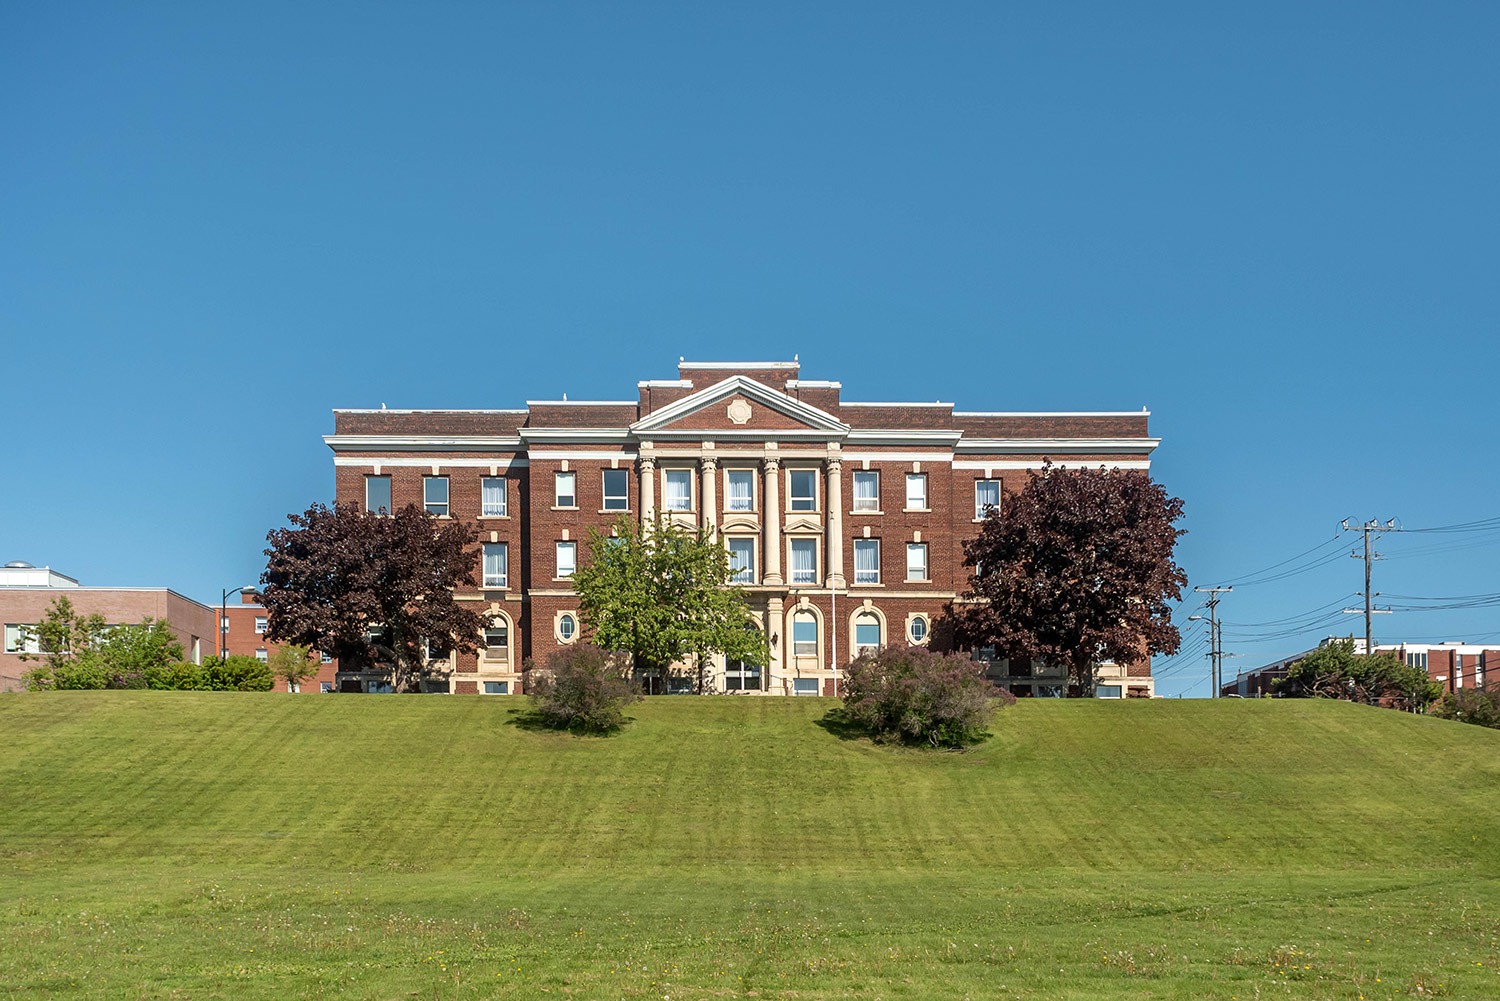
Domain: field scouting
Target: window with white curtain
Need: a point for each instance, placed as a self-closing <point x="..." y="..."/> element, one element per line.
<point x="492" y="497"/>
<point x="495" y="564"/>
<point x="566" y="485"/>
<point x="804" y="561"/>
<point x="741" y="490"/>
<point x="867" y="490"/>
<point x="742" y="561"/>
<point x="916" y="491"/>
<point x="986" y="497"/>
<point x="567" y="558"/>
<point x="678" y="495"/>
<point x="867" y="561"/>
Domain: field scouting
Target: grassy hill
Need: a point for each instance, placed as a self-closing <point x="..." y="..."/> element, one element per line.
<point x="215" y="845"/>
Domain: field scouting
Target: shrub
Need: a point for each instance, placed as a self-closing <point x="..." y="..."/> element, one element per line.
<point x="916" y="696"/>
<point x="179" y="677"/>
<point x="1479" y="706"/>
<point x="237" y="674"/>
<point x="581" y="688"/>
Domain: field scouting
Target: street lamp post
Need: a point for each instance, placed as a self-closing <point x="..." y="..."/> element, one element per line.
<point x="224" y="618"/>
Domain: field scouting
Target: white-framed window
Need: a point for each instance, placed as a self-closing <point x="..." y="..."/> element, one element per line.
<point x="741" y="494"/>
<point x="492" y="497"/>
<point x="916" y="491"/>
<point x="435" y="494"/>
<point x="804" y="686"/>
<point x="916" y="561"/>
<point x="567" y="627"/>
<point x="325" y="658"/>
<point x="1108" y="692"/>
<point x="496" y="564"/>
<point x="565" y="487"/>
<point x="677" y="494"/>
<point x="260" y="625"/>
<point x="497" y="688"/>
<point x="866" y="632"/>
<point x="741" y="676"/>
<point x="262" y="655"/>
<point x="497" y="640"/>
<point x="867" y="490"/>
<point x="617" y="490"/>
<point x="742" y="561"/>
<point x="804" y="561"/>
<point x="325" y="687"/>
<point x="1417" y="660"/>
<point x="567" y="558"/>
<point x="917" y="629"/>
<point x="20" y="638"/>
<point x="804" y="483"/>
<point x="986" y="497"/>
<point x="867" y="561"/>
<point x="804" y="635"/>
<point x="378" y="494"/>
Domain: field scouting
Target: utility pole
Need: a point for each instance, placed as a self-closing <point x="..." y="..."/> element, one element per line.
<point x="1215" y="646"/>
<point x="1369" y="556"/>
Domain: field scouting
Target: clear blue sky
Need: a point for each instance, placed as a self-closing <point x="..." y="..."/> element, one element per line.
<point x="1274" y="225"/>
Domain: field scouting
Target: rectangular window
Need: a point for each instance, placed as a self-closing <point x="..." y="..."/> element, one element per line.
<point x="742" y="561"/>
<point x="261" y="656"/>
<point x="867" y="490"/>
<point x="567" y="492"/>
<point x="567" y="558"/>
<point x="1108" y="692"/>
<point x="804" y="635"/>
<point x="1417" y="660"/>
<point x="741" y="676"/>
<point x="866" y="634"/>
<point x="804" y="561"/>
<point x="617" y="490"/>
<point x="867" y="561"/>
<point x="325" y="686"/>
<point x="741" y="490"/>
<point x="986" y="497"/>
<point x="916" y="491"/>
<point x="435" y="494"/>
<point x="804" y="686"/>
<point x="916" y="561"/>
<point x="378" y="494"/>
<point x="492" y="497"/>
<point x="678" y="495"/>
<point x="20" y="639"/>
<point x="324" y="658"/>
<point x="497" y="688"/>
<point x="804" y="490"/>
<point x="260" y="625"/>
<point x="496" y="564"/>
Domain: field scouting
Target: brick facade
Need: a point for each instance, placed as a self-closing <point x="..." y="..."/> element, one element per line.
<point x="692" y="443"/>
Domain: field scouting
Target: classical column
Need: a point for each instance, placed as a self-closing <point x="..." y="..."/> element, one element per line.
<point x="648" y="489"/>
<point x="835" y="523"/>
<point x="709" y="495"/>
<point x="775" y="626"/>
<point x="772" y="533"/>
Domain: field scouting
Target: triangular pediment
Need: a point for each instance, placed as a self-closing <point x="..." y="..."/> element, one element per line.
<point x="740" y="407"/>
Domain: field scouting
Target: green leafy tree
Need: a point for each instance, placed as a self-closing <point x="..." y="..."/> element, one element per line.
<point x="82" y="652"/>
<point x="63" y="635"/>
<point x="1075" y="569"/>
<point x="1478" y="706"/>
<point x="581" y="688"/>
<point x="237" y="673"/>
<point x="375" y="591"/>
<point x="294" y="664"/>
<point x="1335" y="671"/>
<point x="662" y="594"/>
<point x="916" y="696"/>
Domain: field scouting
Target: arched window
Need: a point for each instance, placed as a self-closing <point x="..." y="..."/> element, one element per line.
<point x="804" y="635"/>
<point x="866" y="632"/>
<point x="497" y="640"/>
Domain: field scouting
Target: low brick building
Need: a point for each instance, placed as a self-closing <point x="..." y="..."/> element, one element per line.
<point x="27" y="592"/>
<point x="845" y="521"/>
<point x="244" y="626"/>
<point x="1453" y="665"/>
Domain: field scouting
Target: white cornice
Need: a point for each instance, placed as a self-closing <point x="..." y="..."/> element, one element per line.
<point x="740" y="365"/>
<point x="582" y="436"/>
<point x="1057" y="446"/>
<point x="1059" y="464"/>
<point x="422" y="461"/>
<point x="421" y="443"/>
<point x="664" y="384"/>
<point x="1050" y="413"/>
<point x="856" y="403"/>
<point x="582" y="403"/>
<point x="445" y="410"/>
<point x="813" y="384"/>
<point x="903" y="436"/>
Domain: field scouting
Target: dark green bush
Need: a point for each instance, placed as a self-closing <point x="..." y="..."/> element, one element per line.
<point x="238" y="674"/>
<point x="915" y="696"/>
<point x="581" y="688"/>
<point x="1480" y="706"/>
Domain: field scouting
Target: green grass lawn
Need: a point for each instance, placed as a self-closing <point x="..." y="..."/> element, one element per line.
<point x="198" y="845"/>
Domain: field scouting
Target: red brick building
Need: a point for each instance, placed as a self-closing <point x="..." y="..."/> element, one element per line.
<point x="244" y="628"/>
<point x="845" y="520"/>
<point x="1451" y="664"/>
